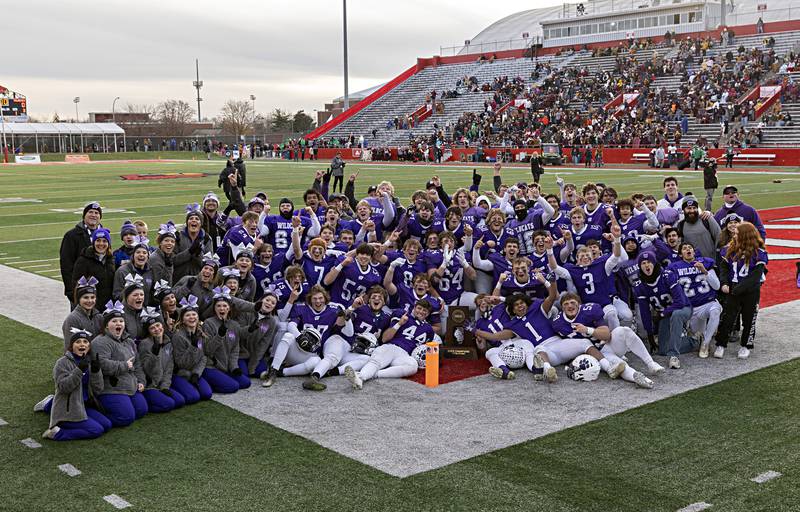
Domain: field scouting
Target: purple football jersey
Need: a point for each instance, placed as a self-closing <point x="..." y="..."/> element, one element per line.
<point x="592" y="282"/>
<point x="324" y="321"/>
<point x="523" y="230"/>
<point x="353" y="281"/>
<point x="739" y="269"/>
<point x="265" y="276"/>
<point x="412" y="333"/>
<point x="590" y="315"/>
<point x="695" y="285"/>
<point x="496" y="321"/>
<point x="535" y="326"/>
<point x="283" y="290"/>
<point x="451" y="284"/>
<point x="366" y="320"/>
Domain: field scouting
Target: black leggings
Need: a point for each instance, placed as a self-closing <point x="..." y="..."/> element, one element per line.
<point x="734" y="305"/>
<point x="340" y="181"/>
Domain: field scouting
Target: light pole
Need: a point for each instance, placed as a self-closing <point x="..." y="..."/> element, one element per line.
<point x="113" y="111"/>
<point x="253" y="99"/>
<point x="77" y="100"/>
<point x="344" y="34"/>
<point x="5" y="147"/>
<point x="197" y="84"/>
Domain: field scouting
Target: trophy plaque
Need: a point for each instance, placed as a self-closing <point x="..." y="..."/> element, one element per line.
<point x="458" y="342"/>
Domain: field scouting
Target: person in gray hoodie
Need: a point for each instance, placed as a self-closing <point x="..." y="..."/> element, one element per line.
<point x="200" y="285"/>
<point x="192" y="242"/>
<point x="123" y="378"/>
<point x="155" y="351"/>
<point x="77" y="376"/>
<point x="187" y="352"/>
<point x="222" y="347"/>
<point x="84" y="316"/>
<point x="261" y="327"/>
<point x="134" y="303"/>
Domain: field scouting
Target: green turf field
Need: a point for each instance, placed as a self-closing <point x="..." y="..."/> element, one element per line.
<point x="704" y="445"/>
<point x="30" y="232"/>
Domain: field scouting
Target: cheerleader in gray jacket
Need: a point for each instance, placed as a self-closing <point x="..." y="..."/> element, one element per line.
<point x="222" y="347"/>
<point x="123" y="378"/>
<point x="77" y="377"/>
<point x="200" y="285"/>
<point x="85" y="316"/>
<point x="167" y="303"/>
<point x="257" y="338"/>
<point x="188" y="343"/>
<point x="133" y="297"/>
<point x="155" y="351"/>
<point x="162" y="260"/>
<point x="191" y="244"/>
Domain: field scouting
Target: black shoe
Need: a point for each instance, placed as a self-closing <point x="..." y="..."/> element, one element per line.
<point x="270" y="378"/>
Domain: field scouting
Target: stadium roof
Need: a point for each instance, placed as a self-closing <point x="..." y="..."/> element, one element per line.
<point x="506" y="33"/>
<point x="63" y="129"/>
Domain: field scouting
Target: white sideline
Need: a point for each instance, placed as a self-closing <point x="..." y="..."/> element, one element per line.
<point x="3" y="422"/>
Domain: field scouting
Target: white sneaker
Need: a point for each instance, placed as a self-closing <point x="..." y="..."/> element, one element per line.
<point x="703" y="351"/>
<point x="674" y="363"/>
<point x="352" y="377"/>
<point x="642" y="381"/>
<point x="719" y="352"/>
<point x="744" y="353"/>
<point x="50" y="433"/>
<point x="654" y="368"/>
<point x="616" y="370"/>
<point x="39" y="407"/>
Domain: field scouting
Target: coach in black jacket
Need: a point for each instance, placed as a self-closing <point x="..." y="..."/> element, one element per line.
<point x="75" y="241"/>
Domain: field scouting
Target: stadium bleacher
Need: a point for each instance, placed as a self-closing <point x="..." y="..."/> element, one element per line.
<point x="691" y="74"/>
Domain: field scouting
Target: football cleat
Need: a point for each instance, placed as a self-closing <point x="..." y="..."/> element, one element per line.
<point x="642" y="381"/>
<point x="538" y="368"/>
<point x="269" y="378"/>
<point x="313" y="384"/>
<point x="501" y="373"/>
<point x="352" y="377"/>
<point x="39" y="407"/>
<point x="616" y="370"/>
<point x="703" y="350"/>
<point x="719" y="352"/>
<point x="674" y="363"/>
<point x="655" y="368"/>
<point x="744" y="353"/>
<point x="550" y="374"/>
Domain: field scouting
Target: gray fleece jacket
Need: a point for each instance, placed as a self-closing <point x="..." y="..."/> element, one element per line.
<point x="68" y="398"/>
<point x="157" y="362"/>
<point x="114" y="354"/>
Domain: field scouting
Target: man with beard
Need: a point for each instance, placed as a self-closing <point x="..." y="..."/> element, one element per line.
<point x="703" y="234"/>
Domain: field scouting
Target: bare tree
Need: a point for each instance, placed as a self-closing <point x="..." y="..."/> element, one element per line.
<point x="236" y="117"/>
<point x="174" y="116"/>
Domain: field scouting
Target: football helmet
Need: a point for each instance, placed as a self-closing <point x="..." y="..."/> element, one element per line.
<point x="419" y="354"/>
<point x="584" y="367"/>
<point x="513" y="356"/>
<point x="309" y="340"/>
<point x="365" y="343"/>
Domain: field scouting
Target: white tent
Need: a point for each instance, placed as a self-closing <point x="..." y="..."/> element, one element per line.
<point x="60" y="131"/>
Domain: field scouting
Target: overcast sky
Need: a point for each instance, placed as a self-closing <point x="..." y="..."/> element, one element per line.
<point x="287" y="53"/>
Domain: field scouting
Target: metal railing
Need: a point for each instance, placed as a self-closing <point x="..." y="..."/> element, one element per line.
<point x="489" y="46"/>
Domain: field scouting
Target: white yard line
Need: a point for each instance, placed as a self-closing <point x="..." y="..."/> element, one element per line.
<point x="116" y="501"/>
<point x="766" y="477"/>
<point x="30" y="240"/>
<point x="34" y="261"/>
<point x="69" y="469"/>
<point x="696" y="507"/>
<point x="30" y="443"/>
<point x="3" y="422"/>
<point x="9" y="257"/>
<point x="34" y="266"/>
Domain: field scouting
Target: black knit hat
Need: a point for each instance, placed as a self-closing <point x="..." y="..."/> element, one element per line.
<point x="93" y="205"/>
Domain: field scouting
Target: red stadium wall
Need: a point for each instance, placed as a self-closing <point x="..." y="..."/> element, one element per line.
<point x="783" y="156"/>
